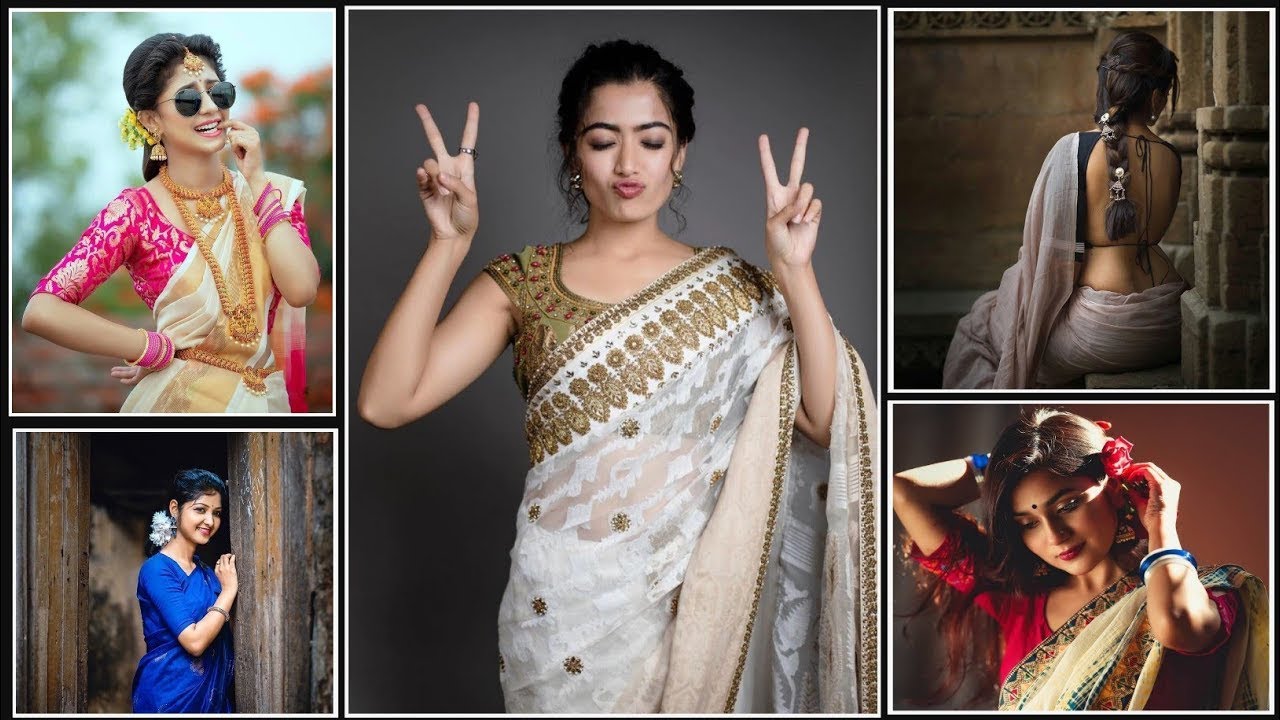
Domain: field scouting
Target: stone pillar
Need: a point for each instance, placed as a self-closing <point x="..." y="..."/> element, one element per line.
<point x="269" y="538"/>
<point x="1224" y="317"/>
<point x="1188" y="36"/>
<point x="52" y="569"/>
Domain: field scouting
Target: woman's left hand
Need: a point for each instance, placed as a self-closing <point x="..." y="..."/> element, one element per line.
<point x="246" y="150"/>
<point x="129" y="374"/>
<point x="1155" y="496"/>
<point x="792" y="212"/>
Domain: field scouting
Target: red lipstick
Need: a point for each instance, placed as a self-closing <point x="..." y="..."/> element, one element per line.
<point x="1071" y="552"/>
<point x="628" y="189"/>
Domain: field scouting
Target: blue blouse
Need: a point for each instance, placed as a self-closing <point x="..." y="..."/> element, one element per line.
<point x="169" y="679"/>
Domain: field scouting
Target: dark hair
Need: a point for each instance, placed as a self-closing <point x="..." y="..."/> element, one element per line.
<point x="1132" y="68"/>
<point x="1065" y="445"/>
<point x="620" y="62"/>
<point x="149" y="68"/>
<point x="188" y="486"/>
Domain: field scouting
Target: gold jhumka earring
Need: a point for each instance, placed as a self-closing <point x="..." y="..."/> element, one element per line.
<point x="679" y="179"/>
<point x="158" y="153"/>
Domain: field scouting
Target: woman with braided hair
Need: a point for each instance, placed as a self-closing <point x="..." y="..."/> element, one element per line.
<point x="1091" y="291"/>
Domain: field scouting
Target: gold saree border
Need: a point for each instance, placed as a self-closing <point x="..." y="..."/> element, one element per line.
<point x="597" y="326"/>
<point x="786" y="425"/>
<point x="868" y="602"/>
<point x="1025" y="677"/>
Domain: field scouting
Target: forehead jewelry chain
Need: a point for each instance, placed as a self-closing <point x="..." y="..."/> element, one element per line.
<point x="192" y="63"/>
<point x="242" y="322"/>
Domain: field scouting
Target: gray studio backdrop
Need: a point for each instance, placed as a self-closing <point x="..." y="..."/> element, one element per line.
<point x="433" y="505"/>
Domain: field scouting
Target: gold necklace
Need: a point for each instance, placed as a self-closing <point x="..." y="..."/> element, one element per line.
<point x="242" y="323"/>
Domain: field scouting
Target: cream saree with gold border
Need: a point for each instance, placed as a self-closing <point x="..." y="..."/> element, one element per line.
<point x="680" y="547"/>
<point x="188" y="311"/>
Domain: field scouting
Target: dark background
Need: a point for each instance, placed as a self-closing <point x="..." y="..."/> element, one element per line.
<point x="432" y="505"/>
<point x="1219" y="454"/>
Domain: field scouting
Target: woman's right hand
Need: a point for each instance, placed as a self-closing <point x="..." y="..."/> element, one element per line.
<point x="225" y="569"/>
<point x="447" y="183"/>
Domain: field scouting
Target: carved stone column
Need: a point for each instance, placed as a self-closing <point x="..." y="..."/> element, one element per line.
<point x="1224" y="318"/>
<point x="52" y="569"/>
<point x="1188" y="35"/>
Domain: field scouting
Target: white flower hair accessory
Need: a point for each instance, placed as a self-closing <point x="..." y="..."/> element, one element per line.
<point x="163" y="528"/>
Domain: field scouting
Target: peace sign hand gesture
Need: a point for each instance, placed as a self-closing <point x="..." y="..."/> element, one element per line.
<point x="793" y="214"/>
<point x="447" y="183"/>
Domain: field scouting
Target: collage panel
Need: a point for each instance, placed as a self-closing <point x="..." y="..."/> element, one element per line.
<point x="1081" y="556"/>
<point x="174" y="572"/>
<point x="1081" y="200"/>
<point x="172" y="212"/>
<point x="682" y="539"/>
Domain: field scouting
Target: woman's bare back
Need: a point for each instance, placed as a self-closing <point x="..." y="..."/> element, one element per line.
<point x="1115" y="266"/>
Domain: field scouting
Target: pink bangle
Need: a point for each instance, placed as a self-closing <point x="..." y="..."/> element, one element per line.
<point x="166" y="353"/>
<point x="269" y="223"/>
<point x="269" y="189"/>
<point x="150" y="352"/>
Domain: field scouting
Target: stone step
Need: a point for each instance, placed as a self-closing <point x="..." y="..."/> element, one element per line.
<point x="1166" y="377"/>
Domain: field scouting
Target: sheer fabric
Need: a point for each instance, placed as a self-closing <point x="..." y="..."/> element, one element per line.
<point x="169" y="679"/>
<point x="679" y="547"/>
<point x="1038" y="317"/>
<point x="171" y="276"/>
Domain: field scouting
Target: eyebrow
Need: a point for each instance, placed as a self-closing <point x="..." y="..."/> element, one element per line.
<point x="193" y="83"/>
<point x="614" y="128"/>
<point x="1051" y="500"/>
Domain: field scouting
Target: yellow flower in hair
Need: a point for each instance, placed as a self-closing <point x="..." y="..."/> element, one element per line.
<point x="133" y="133"/>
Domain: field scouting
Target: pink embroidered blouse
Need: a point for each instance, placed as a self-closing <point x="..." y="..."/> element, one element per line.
<point x="132" y="232"/>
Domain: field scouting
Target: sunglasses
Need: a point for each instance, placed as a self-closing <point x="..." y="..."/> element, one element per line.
<point x="188" y="100"/>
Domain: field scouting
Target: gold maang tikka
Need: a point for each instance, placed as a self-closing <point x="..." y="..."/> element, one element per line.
<point x="192" y="63"/>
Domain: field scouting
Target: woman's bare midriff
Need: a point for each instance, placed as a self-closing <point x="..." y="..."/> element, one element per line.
<point x="1116" y="269"/>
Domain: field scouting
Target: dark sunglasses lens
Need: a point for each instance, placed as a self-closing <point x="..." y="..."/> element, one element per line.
<point x="187" y="101"/>
<point x="223" y="94"/>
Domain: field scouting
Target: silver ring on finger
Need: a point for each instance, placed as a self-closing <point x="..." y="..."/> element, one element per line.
<point x="470" y="151"/>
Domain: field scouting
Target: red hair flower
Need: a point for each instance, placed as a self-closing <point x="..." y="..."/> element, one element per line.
<point x="1115" y="457"/>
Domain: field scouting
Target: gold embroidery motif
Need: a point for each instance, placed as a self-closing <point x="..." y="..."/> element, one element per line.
<point x="869" y="562"/>
<point x="782" y="457"/>
<point x="535" y="512"/>
<point x="620" y="522"/>
<point x="573" y="665"/>
<point x="629" y="428"/>
<point x="539" y="606"/>
<point x="675" y="601"/>
<point x="717" y="476"/>
<point x="715" y="423"/>
<point x="645" y="358"/>
<point x="502" y="663"/>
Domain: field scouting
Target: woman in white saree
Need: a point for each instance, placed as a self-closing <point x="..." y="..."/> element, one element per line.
<point x="680" y="547"/>
<point x="222" y="258"/>
<point x="1091" y="291"/>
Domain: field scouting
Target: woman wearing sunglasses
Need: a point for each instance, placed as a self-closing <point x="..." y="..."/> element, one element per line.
<point x="221" y="258"/>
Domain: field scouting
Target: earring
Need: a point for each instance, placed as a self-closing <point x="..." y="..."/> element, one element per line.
<point x="575" y="182"/>
<point x="679" y="179"/>
<point x="1041" y="570"/>
<point x="1125" y="531"/>
<point x="1153" y="120"/>
<point x="157" y="151"/>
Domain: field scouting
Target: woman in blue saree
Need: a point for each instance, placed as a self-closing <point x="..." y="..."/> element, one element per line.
<point x="186" y="606"/>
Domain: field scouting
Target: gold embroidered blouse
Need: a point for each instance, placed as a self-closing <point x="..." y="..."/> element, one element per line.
<point x="549" y="312"/>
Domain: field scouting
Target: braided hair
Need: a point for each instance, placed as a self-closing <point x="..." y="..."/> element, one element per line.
<point x="1134" y="67"/>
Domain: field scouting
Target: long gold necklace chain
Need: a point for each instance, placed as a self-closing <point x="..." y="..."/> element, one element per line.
<point x="242" y="322"/>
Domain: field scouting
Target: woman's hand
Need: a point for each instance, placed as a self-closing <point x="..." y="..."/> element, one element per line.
<point x="447" y="183"/>
<point x="792" y="213"/>
<point x="246" y="150"/>
<point x="129" y="374"/>
<point x="1155" y="495"/>
<point x="225" y="569"/>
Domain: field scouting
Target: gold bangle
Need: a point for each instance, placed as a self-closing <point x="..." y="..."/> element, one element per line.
<point x="145" y="347"/>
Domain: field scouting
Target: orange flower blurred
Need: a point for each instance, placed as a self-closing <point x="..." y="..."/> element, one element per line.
<point x="257" y="80"/>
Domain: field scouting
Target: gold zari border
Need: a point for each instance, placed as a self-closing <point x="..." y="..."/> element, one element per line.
<point x="869" y="627"/>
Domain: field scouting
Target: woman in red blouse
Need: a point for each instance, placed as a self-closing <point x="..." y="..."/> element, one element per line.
<point x="1087" y="618"/>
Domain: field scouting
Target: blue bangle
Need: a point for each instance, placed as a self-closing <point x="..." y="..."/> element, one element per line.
<point x="979" y="461"/>
<point x="1152" y="556"/>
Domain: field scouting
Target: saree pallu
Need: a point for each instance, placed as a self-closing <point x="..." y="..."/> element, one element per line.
<point x="169" y="679"/>
<point x="680" y="547"/>
<point x="188" y="311"/>
<point x="1105" y="657"/>
<point x="1038" y="317"/>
